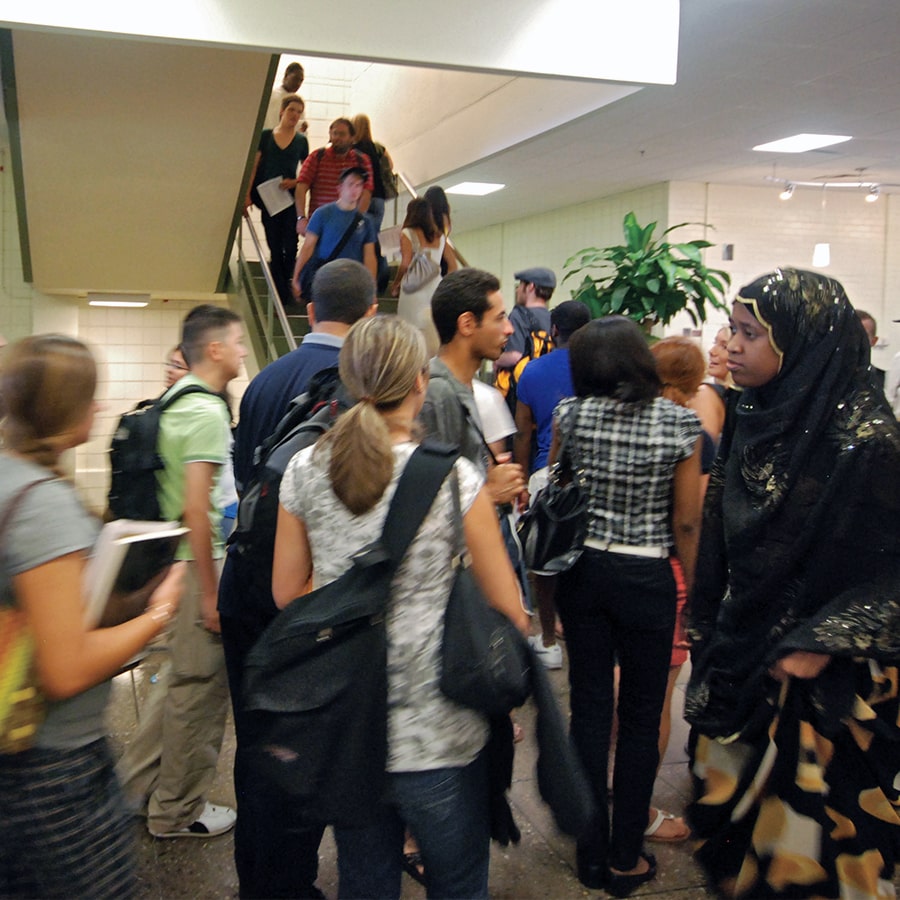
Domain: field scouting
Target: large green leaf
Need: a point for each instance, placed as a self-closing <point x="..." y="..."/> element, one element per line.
<point x="690" y="251"/>
<point x="647" y="280"/>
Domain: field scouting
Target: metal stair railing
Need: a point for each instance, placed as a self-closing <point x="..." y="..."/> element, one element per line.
<point x="267" y="310"/>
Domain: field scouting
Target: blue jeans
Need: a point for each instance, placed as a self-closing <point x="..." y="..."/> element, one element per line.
<point x="447" y="811"/>
<point x="618" y="608"/>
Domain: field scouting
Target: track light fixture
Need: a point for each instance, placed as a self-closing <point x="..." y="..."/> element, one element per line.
<point x="872" y="188"/>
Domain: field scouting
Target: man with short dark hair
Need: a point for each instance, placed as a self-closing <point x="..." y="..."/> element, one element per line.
<point x="290" y="84"/>
<point x="320" y="174"/>
<point x="275" y="850"/>
<point x="343" y="293"/>
<point x="471" y="322"/>
<point x="337" y="230"/>
<point x="171" y="762"/>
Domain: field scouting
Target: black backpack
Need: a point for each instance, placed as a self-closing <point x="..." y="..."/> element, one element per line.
<point x="135" y="460"/>
<point x="315" y="683"/>
<point x="309" y="416"/>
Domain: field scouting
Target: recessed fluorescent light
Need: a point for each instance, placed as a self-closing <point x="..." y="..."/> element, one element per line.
<point x="118" y="303"/>
<point x="118" y="300"/>
<point x="800" y="143"/>
<point x="475" y="188"/>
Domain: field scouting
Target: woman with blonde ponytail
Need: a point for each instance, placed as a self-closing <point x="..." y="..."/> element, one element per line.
<point x="334" y="498"/>
<point x="64" y="827"/>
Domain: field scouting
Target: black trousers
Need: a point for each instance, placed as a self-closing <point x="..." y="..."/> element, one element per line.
<point x="276" y="852"/>
<point x="618" y="608"/>
<point x="281" y="236"/>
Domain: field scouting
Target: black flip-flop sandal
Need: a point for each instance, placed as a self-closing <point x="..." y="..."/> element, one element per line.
<point x="413" y="866"/>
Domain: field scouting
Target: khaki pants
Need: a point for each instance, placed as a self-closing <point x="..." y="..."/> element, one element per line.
<point x="171" y="762"/>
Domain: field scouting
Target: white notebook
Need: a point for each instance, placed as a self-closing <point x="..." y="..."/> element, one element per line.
<point x="129" y="561"/>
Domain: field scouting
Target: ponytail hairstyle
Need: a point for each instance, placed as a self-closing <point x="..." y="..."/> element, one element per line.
<point x="680" y="366"/>
<point x="378" y="365"/>
<point x="46" y="390"/>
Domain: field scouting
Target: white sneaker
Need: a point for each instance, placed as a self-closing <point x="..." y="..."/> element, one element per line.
<point x="213" y="821"/>
<point x="550" y="656"/>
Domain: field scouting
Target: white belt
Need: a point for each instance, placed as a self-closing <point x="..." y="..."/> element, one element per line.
<point x="627" y="549"/>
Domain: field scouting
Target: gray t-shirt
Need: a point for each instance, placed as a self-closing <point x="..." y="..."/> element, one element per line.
<point x="425" y="729"/>
<point x="50" y="522"/>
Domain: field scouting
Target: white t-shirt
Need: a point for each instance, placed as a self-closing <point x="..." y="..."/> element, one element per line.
<point x="496" y="419"/>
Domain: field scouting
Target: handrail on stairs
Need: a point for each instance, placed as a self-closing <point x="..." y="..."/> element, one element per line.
<point x="273" y="307"/>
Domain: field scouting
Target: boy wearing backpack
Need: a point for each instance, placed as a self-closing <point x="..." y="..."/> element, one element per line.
<point x="171" y="761"/>
<point x="530" y="319"/>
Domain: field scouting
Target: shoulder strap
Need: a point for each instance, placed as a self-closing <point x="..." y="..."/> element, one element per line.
<point x="16" y="501"/>
<point x="187" y="389"/>
<point x="357" y="218"/>
<point x="478" y="431"/>
<point x="564" y="457"/>
<point x="418" y="486"/>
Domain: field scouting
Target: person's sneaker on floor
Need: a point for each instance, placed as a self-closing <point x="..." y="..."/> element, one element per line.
<point x="213" y="821"/>
<point x="550" y="656"/>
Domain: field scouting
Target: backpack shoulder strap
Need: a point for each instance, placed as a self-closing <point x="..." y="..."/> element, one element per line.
<point x="16" y="501"/>
<point x="418" y="486"/>
<point x="187" y="389"/>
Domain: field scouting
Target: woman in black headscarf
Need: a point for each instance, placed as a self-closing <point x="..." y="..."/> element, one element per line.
<point x="795" y="618"/>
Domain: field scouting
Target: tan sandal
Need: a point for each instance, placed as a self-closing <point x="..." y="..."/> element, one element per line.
<point x="676" y="832"/>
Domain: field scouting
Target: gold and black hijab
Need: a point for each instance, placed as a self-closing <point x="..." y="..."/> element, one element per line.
<point x="801" y="534"/>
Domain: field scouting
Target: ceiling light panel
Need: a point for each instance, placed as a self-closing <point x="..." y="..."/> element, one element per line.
<point x="474" y="188"/>
<point x="801" y="143"/>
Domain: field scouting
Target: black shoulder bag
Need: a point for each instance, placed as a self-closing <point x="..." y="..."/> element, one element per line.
<point x="485" y="661"/>
<point x="553" y="528"/>
<point x="315" y="684"/>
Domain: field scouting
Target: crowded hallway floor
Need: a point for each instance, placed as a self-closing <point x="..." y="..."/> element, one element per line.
<point x="541" y="866"/>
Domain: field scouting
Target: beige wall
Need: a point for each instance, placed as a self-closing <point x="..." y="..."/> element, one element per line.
<point x="129" y="344"/>
<point x="551" y="238"/>
<point x="766" y="232"/>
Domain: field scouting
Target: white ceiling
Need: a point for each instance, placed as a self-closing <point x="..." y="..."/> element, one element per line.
<point x="749" y="71"/>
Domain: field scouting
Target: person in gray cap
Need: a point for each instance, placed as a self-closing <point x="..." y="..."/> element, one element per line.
<point x="530" y="319"/>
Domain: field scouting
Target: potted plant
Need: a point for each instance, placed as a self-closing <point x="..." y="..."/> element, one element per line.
<point x="646" y="280"/>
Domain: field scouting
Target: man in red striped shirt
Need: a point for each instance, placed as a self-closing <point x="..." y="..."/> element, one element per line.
<point x="320" y="173"/>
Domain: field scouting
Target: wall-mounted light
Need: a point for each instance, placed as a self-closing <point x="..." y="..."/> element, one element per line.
<point x="788" y="191"/>
<point x="873" y="194"/>
<point x="117" y="300"/>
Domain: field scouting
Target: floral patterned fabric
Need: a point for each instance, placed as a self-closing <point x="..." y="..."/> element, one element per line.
<point x="425" y="729"/>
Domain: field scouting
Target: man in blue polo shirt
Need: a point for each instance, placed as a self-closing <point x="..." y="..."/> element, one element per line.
<point x="542" y="384"/>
